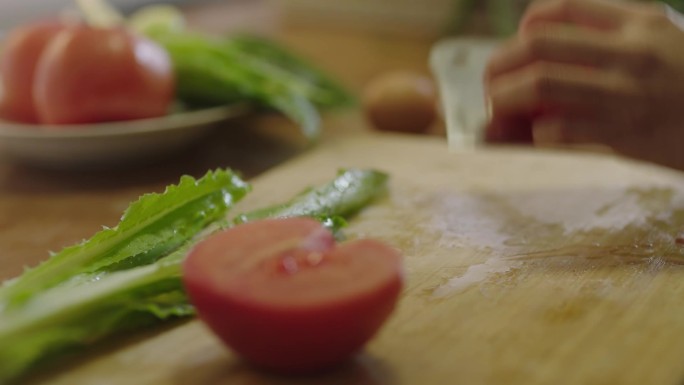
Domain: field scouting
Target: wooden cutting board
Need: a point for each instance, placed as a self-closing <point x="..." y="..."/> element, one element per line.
<point x="523" y="267"/>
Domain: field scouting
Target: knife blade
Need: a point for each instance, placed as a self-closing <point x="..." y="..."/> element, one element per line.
<point x="458" y="65"/>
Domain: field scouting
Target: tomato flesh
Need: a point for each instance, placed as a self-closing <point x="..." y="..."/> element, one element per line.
<point x="281" y="294"/>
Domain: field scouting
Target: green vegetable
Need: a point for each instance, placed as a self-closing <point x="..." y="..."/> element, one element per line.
<point x="322" y="90"/>
<point x="102" y="297"/>
<point x="121" y="278"/>
<point x="213" y="71"/>
<point x="349" y="192"/>
<point x="87" y="310"/>
<point x="150" y="228"/>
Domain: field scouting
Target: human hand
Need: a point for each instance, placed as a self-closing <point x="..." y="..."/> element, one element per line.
<point x="593" y="71"/>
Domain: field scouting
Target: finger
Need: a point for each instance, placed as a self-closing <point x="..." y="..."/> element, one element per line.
<point x="562" y="44"/>
<point x="556" y="43"/>
<point x="503" y="59"/>
<point x="602" y="14"/>
<point x="571" y="131"/>
<point x="510" y="130"/>
<point x="544" y="88"/>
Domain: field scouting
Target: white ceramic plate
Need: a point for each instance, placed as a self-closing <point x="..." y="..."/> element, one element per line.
<point x="85" y="146"/>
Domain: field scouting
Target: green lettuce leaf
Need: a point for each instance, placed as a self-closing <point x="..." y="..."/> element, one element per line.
<point x="80" y="313"/>
<point x="150" y="228"/>
<point x="321" y="89"/>
<point x="210" y="71"/>
<point x="349" y="192"/>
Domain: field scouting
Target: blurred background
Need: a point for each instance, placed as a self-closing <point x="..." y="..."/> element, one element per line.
<point x="419" y="18"/>
<point x="425" y="18"/>
<point x="14" y="12"/>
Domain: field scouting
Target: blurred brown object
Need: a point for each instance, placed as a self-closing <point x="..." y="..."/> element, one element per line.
<point x="401" y="101"/>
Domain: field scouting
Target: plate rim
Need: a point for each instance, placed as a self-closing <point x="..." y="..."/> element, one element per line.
<point x="175" y="121"/>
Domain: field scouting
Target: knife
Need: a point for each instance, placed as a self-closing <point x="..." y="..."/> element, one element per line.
<point x="458" y="66"/>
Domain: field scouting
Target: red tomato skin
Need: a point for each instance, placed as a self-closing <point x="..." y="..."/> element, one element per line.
<point x="20" y="54"/>
<point x="91" y="75"/>
<point x="290" y="337"/>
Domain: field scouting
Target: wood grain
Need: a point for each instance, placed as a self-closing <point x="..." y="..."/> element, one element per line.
<point x="523" y="267"/>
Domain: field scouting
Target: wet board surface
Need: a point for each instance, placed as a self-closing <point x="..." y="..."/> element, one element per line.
<point x="523" y="267"/>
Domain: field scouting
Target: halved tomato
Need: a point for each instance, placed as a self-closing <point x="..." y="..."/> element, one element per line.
<point x="284" y="296"/>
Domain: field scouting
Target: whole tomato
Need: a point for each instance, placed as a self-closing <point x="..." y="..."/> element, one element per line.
<point x="89" y="75"/>
<point x="20" y="53"/>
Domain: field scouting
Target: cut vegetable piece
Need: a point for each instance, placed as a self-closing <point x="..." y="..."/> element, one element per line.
<point x="284" y="297"/>
<point x="350" y="191"/>
<point x="86" y="310"/>
<point x="150" y="228"/>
